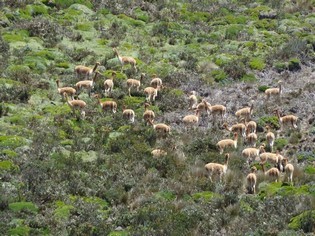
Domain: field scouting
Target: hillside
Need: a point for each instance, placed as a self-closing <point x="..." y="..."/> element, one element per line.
<point x="91" y="172"/>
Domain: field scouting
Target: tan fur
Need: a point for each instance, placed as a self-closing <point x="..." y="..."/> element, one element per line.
<point x="87" y="84"/>
<point x="288" y="169"/>
<point x="148" y="114"/>
<point x="239" y="128"/>
<point x="76" y="105"/>
<point x="109" y="84"/>
<point x="245" y="113"/>
<point x="125" y="60"/>
<point x="192" y="100"/>
<point x="251" y="153"/>
<point x="274" y="92"/>
<point x="204" y="107"/>
<point x="288" y="120"/>
<point x="251" y="126"/>
<point x="251" y="139"/>
<point x="129" y="114"/>
<point x="156" y="82"/>
<point x="150" y="94"/>
<point x="68" y="90"/>
<point x="160" y="128"/>
<point x="273" y="173"/>
<point x="217" y="169"/>
<point x="131" y="83"/>
<point x="251" y="180"/>
<point x="227" y="143"/>
<point x="191" y="120"/>
<point x="270" y="137"/>
<point x="158" y="153"/>
<point x="84" y="70"/>
<point x="107" y="105"/>
<point x="273" y="158"/>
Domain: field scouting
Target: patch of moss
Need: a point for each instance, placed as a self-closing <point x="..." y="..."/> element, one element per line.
<point x="64" y="65"/>
<point x="309" y="170"/>
<point x="62" y="211"/>
<point x="19" y="231"/>
<point x="11" y="141"/>
<point x="257" y="63"/>
<point x="131" y="21"/>
<point x="83" y="26"/>
<point x="19" y="206"/>
<point x="278" y="188"/>
<point x="219" y="75"/>
<point x="8" y="153"/>
<point x="233" y="32"/>
<point x="68" y="3"/>
<point x="119" y="233"/>
<point x="35" y="10"/>
<point x="7" y="165"/>
<point x="205" y="196"/>
<point x="141" y="15"/>
<point x="16" y="36"/>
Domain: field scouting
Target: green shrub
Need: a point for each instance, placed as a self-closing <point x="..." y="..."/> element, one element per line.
<point x="236" y="69"/>
<point x="257" y="64"/>
<point x="7" y="165"/>
<point x="205" y="196"/>
<point x="19" y="206"/>
<point x="141" y="15"/>
<point x="83" y="26"/>
<point x="304" y="221"/>
<point x="280" y="66"/>
<point x="68" y="3"/>
<point x="62" y="211"/>
<point x="305" y="156"/>
<point x="294" y="64"/>
<point x="20" y="231"/>
<point x="272" y="121"/>
<point x="249" y="78"/>
<point x="233" y="32"/>
<point x="309" y="170"/>
<point x="280" y="143"/>
<point x="218" y="75"/>
<point x="11" y="141"/>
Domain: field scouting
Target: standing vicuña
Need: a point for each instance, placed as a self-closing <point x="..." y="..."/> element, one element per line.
<point x="245" y="113"/>
<point x="76" y="105"/>
<point x="273" y="173"/>
<point x="84" y="70"/>
<point x="87" y="84"/>
<point x="251" y="180"/>
<point x="109" y="84"/>
<point x="129" y="114"/>
<point x="68" y="90"/>
<point x="217" y="169"/>
<point x="148" y="114"/>
<point x="288" y="120"/>
<point x="125" y="60"/>
<point x="131" y="83"/>
<point x="227" y="143"/>
<point x="275" y="92"/>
